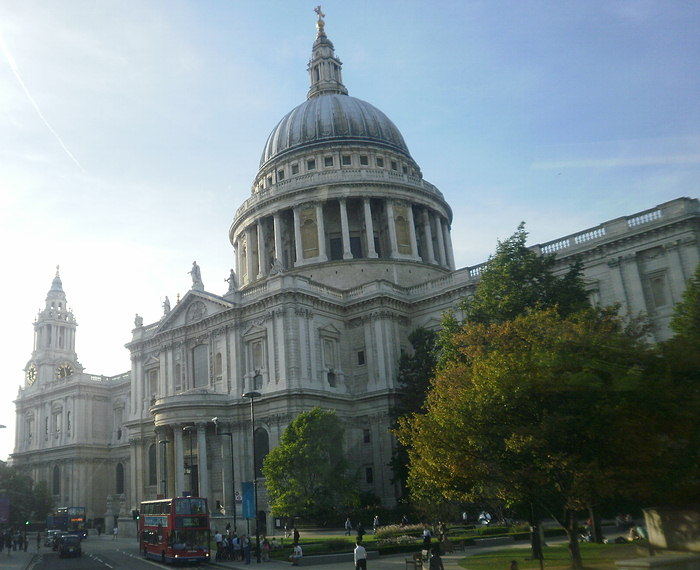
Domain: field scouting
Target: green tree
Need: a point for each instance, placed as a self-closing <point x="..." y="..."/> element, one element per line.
<point x="307" y="474"/>
<point x="516" y="279"/>
<point x="560" y="412"/>
<point x="686" y="317"/>
<point x="43" y="501"/>
<point x="17" y="487"/>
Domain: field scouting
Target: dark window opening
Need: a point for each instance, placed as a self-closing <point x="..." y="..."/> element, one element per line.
<point x="369" y="475"/>
<point x="360" y="357"/>
<point x="336" y="248"/>
<point x="280" y="174"/>
<point x="346" y="161"/>
<point x="257" y="381"/>
<point x="394" y="165"/>
<point x="311" y="164"/>
<point x="331" y="379"/>
<point x="364" y="160"/>
<point x="295" y="169"/>
<point x="328" y="161"/>
<point x="356" y="247"/>
<point x="366" y="436"/>
<point x="380" y="162"/>
<point x="404" y="168"/>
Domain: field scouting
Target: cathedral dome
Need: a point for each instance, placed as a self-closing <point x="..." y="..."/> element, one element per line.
<point x="332" y="118"/>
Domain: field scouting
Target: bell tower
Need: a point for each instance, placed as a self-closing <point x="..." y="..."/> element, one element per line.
<point x="54" y="356"/>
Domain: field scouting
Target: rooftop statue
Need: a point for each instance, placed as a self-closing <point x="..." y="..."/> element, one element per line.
<point x="197" y="284"/>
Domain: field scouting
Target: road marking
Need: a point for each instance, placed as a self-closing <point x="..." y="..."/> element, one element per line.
<point x="100" y="560"/>
<point x="142" y="559"/>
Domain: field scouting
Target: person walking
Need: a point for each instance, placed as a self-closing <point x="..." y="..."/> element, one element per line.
<point x="115" y="532"/>
<point x="375" y="523"/>
<point x="297" y="554"/>
<point x="295" y="535"/>
<point x="218" y="538"/>
<point x="435" y="560"/>
<point x="360" y="556"/>
<point x="246" y="549"/>
<point x="348" y="526"/>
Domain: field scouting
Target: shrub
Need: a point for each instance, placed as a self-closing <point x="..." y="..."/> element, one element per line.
<point x="394" y="530"/>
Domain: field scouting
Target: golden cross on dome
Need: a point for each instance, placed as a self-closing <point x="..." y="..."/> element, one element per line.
<point x="320" y="23"/>
<point x="318" y="11"/>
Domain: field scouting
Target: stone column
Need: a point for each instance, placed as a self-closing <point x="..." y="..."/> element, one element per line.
<point x="159" y="460"/>
<point x="441" y="256"/>
<point x="262" y="254"/>
<point x="297" y="237"/>
<point x="391" y="223"/>
<point x="277" y="226"/>
<point x="412" y="231"/>
<point x="448" y="244"/>
<point x="369" y="229"/>
<point x="237" y="254"/>
<point x="347" y="254"/>
<point x="202" y="470"/>
<point x="429" y="253"/>
<point x="321" y="232"/>
<point x="179" y="460"/>
<point x="250" y="265"/>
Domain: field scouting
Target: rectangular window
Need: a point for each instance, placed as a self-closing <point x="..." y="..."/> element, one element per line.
<point x="311" y="164"/>
<point x="200" y="366"/>
<point x="369" y="475"/>
<point x="153" y="382"/>
<point x="366" y="436"/>
<point x="658" y="291"/>
<point x="329" y="353"/>
<point x="360" y="357"/>
<point x="404" y="168"/>
<point x="328" y="161"/>
<point x="336" y="249"/>
<point x="269" y="181"/>
<point x="380" y="162"/>
<point x="364" y="160"/>
<point x="280" y="174"/>
<point x="295" y="168"/>
<point x="257" y="355"/>
<point x="346" y="161"/>
<point x="394" y="165"/>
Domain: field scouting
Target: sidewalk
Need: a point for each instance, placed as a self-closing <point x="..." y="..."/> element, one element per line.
<point x="18" y="558"/>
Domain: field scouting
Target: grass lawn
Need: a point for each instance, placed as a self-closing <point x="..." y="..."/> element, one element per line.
<point x="598" y="556"/>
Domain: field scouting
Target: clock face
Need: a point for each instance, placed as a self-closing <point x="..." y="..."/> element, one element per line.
<point x="30" y="374"/>
<point x="64" y="370"/>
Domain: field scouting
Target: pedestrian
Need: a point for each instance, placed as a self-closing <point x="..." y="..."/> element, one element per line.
<point x="246" y="549"/>
<point x="404" y="520"/>
<point x="360" y="556"/>
<point x="296" y="555"/>
<point x="435" y="560"/>
<point x="426" y="538"/>
<point x="360" y="532"/>
<point x="115" y="532"/>
<point x="266" y="549"/>
<point x="218" y="539"/>
<point x="375" y="523"/>
<point x="295" y="535"/>
<point x="348" y="526"/>
<point x="237" y="547"/>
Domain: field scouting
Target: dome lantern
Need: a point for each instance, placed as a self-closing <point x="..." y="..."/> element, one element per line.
<point x="324" y="67"/>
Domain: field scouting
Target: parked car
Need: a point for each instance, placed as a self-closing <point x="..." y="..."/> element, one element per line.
<point x="69" y="545"/>
<point x="50" y="535"/>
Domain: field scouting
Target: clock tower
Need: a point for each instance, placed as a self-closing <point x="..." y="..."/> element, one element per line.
<point x="53" y="357"/>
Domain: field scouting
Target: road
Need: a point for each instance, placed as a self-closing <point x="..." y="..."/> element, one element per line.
<point x="99" y="553"/>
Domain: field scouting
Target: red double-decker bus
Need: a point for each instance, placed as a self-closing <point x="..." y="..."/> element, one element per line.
<point x="175" y="530"/>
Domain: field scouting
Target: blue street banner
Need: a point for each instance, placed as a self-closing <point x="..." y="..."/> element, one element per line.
<point x="4" y="509"/>
<point x="248" y="500"/>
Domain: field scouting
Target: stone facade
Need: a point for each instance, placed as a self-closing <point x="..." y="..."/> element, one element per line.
<point x="342" y="250"/>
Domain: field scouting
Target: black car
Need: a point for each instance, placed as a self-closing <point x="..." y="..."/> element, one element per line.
<point x="69" y="545"/>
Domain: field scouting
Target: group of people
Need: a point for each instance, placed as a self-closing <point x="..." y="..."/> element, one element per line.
<point x="231" y="546"/>
<point x="360" y="529"/>
<point x="13" y="541"/>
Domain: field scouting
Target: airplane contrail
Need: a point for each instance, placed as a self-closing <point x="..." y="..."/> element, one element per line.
<point x="15" y="70"/>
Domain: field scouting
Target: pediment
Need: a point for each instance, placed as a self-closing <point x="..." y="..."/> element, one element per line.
<point x="254" y="330"/>
<point x="192" y="308"/>
<point x="330" y="329"/>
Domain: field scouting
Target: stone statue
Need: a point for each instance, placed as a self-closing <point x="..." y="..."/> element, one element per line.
<point x="197" y="284"/>
<point x="276" y="267"/>
<point x="138" y="320"/>
<point x="166" y="305"/>
<point x="232" y="281"/>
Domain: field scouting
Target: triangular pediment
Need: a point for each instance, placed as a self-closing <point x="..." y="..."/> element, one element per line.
<point x="192" y="308"/>
<point x="330" y="329"/>
<point x="254" y="329"/>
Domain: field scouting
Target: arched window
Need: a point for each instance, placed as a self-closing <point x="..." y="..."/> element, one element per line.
<point x="56" y="483"/>
<point x="120" y="478"/>
<point x="152" y="472"/>
<point x="262" y="448"/>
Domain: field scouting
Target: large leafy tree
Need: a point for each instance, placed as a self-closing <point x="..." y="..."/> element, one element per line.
<point x="415" y="370"/>
<point x="307" y="475"/>
<point x="558" y="412"/>
<point x="517" y="279"/>
<point x="686" y="318"/>
<point x="28" y="502"/>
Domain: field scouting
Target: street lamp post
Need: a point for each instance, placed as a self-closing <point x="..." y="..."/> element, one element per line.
<point x="164" y="443"/>
<point x="233" y="476"/>
<point x="188" y="429"/>
<point x="252" y="396"/>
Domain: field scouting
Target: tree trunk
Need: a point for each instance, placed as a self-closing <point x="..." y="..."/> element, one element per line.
<point x="596" y="530"/>
<point x="572" y="535"/>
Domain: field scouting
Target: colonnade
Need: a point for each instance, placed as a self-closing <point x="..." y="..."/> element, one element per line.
<point x="425" y="237"/>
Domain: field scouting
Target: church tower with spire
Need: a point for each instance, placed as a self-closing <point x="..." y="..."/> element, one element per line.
<point x="54" y="356"/>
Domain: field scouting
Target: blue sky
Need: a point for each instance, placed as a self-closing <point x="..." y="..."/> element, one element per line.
<point x="562" y="114"/>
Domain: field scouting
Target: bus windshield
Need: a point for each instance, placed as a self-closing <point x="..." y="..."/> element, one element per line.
<point x="190" y="507"/>
<point x="189" y="539"/>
